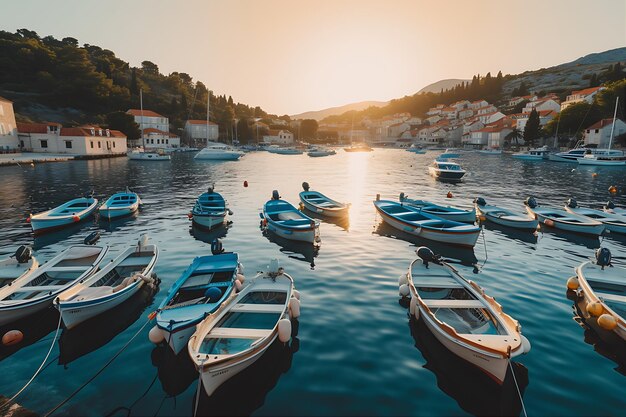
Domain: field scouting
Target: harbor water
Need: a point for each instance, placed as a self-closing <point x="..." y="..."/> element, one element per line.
<point x="356" y="351"/>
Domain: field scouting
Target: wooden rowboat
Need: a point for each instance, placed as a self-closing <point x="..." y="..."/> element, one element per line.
<point x="318" y="203"/>
<point x="73" y="211"/>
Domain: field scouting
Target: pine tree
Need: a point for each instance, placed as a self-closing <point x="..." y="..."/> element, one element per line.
<point x="134" y="88"/>
<point x="183" y="105"/>
<point x="532" y="129"/>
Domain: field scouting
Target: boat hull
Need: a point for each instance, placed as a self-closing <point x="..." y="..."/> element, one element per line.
<point x="601" y="162"/>
<point x="116" y="213"/>
<point x="445" y="175"/>
<point x="523" y="157"/>
<point x="310" y="235"/>
<point x="49" y="224"/>
<point x="178" y="339"/>
<point x="508" y="220"/>
<point x="208" y="222"/>
<point x="147" y="156"/>
<point x="9" y="314"/>
<point x="595" y="229"/>
<point x="325" y="212"/>
<point x="226" y="156"/>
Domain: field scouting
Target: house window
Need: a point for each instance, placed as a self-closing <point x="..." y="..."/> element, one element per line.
<point x="99" y="144"/>
<point x="114" y="144"/>
<point x="68" y="144"/>
<point x="158" y="141"/>
<point x="597" y="130"/>
<point x="91" y="143"/>
<point x="44" y="143"/>
<point x="167" y="141"/>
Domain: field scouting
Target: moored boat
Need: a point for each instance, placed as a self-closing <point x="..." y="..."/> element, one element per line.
<point x="319" y="152"/>
<point x="446" y="170"/>
<point x="199" y="291"/>
<point x="120" y="204"/>
<point x="210" y="210"/>
<point x="445" y="212"/>
<point x="468" y="322"/>
<point x="235" y="336"/>
<point x="68" y="213"/>
<point x="416" y="149"/>
<point x="358" y="147"/>
<point x="36" y="291"/>
<point x="320" y="204"/>
<point x="601" y="293"/>
<point x="613" y="222"/>
<point x="283" y="219"/>
<point x="610" y="207"/>
<point x="284" y="151"/>
<point x="115" y="283"/>
<point x="413" y="221"/>
<point x="490" y="151"/>
<point x="148" y="155"/>
<point x="449" y="154"/>
<point x="561" y="219"/>
<point x="218" y="152"/>
<point x="504" y="217"/>
<point x="19" y="266"/>
<point x="535" y="154"/>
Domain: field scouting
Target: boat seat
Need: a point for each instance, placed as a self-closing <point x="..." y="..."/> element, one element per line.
<point x="136" y="261"/>
<point x="258" y="308"/>
<point x="454" y="303"/>
<point x="611" y="297"/>
<point x="289" y="215"/>
<point x="229" y="332"/>
<point x="36" y="288"/>
<point x="69" y="268"/>
<point x="92" y="292"/>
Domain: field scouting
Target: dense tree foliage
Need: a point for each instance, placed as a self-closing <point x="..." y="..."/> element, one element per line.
<point x="61" y="74"/>
<point x="124" y="122"/>
<point x="308" y="129"/>
<point x="532" y="130"/>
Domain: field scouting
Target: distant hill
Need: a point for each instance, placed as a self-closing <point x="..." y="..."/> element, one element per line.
<point x="442" y="84"/>
<point x="606" y="57"/>
<point x="332" y="111"/>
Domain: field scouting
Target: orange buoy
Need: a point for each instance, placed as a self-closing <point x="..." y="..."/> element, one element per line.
<point x="572" y="284"/>
<point x="613" y="189"/>
<point x="28" y="218"/>
<point x="607" y="322"/>
<point x="549" y="222"/>
<point x="75" y="218"/>
<point x="449" y="195"/>
<point x="245" y="183"/>
<point x="190" y="216"/>
<point x="12" y="337"/>
<point x="594" y="175"/>
<point x="595" y="309"/>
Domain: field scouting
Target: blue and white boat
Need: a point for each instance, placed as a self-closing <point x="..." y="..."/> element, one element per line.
<point x="17" y="266"/>
<point x="34" y="292"/>
<point x="120" y="204"/>
<point x="283" y="219"/>
<point x="284" y="151"/>
<point x="416" y="149"/>
<point x="427" y="226"/>
<point x="445" y="212"/>
<point x="561" y="219"/>
<point x="613" y="222"/>
<point x="200" y="291"/>
<point x="210" y="210"/>
<point x="536" y="154"/>
<point x="504" y="217"/>
<point x="66" y="214"/>
<point x="115" y="283"/>
<point x="320" y="152"/>
<point x="449" y="153"/>
<point x="317" y="202"/>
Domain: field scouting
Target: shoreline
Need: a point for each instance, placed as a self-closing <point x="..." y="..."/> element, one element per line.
<point x="26" y="158"/>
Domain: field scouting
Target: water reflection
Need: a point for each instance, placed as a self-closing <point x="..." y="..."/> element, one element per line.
<point x="341" y="222"/>
<point x="47" y="239"/>
<point x="589" y="241"/>
<point x="511" y="233"/>
<point x="175" y="372"/>
<point x="117" y="223"/>
<point x="208" y="236"/>
<point x="301" y="251"/>
<point x="471" y="388"/>
<point x="464" y="255"/>
<point x="33" y="327"/>
<point x="100" y="330"/>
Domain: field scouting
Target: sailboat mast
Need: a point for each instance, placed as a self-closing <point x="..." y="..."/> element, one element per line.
<point x="613" y="125"/>
<point x="208" y="107"/>
<point x="143" y="144"/>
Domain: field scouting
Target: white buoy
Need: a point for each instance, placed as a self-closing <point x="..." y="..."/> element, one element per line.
<point x="240" y="269"/>
<point x="274" y="266"/>
<point x="525" y="344"/>
<point x="413" y="305"/>
<point x="403" y="280"/>
<point x="294" y="308"/>
<point x="156" y="336"/>
<point x="284" y="330"/>
<point x="241" y="278"/>
<point x="238" y="285"/>
<point x="404" y="290"/>
<point x="417" y="311"/>
<point x="296" y="294"/>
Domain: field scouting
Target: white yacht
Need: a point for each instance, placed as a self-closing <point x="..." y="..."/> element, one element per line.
<point x="606" y="157"/>
<point x="142" y="154"/>
<point x="574" y="155"/>
<point x="535" y="154"/>
<point x="219" y="151"/>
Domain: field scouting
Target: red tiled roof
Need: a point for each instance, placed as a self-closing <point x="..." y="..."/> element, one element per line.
<point x="544" y="113"/>
<point x="586" y="91"/>
<point x="200" y="122"/>
<point x="153" y="130"/>
<point x="146" y="113"/>
<point x="32" y="128"/>
<point x="602" y="123"/>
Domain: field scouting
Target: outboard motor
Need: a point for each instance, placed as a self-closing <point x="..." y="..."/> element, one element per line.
<point x="402" y="197"/>
<point x="531" y="202"/>
<point x="603" y="257"/>
<point x="275" y="195"/>
<point x="210" y="190"/>
<point x="427" y="255"/>
<point x="23" y="254"/>
<point x="572" y="203"/>
<point x="216" y="247"/>
<point x="92" y="238"/>
<point x="610" y="205"/>
<point x="305" y="186"/>
<point x="480" y="201"/>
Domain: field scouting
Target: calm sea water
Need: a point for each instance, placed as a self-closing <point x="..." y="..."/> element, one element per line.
<point x="356" y="352"/>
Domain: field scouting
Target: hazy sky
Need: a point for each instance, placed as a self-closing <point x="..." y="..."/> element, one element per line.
<point x="292" y="56"/>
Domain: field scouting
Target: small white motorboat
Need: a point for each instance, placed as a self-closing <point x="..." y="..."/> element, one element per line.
<point x="319" y="152"/>
<point x="234" y="337"/>
<point x="504" y="217"/>
<point x="317" y="202"/>
<point x="144" y="155"/>
<point x="535" y="154"/>
<point x="18" y="266"/>
<point x="115" y="283"/>
<point x="64" y="215"/>
<point x="210" y="210"/>
<point x="284" y="151"/>
<point x="119" y="205"/>
<point x="445" y="212"/>
<point x="461" y="316"/>
<point x="219" y="152"/>
<point x="446" y="170"/>
<point x="416" y="149"/>
<point x="601" y="291"/>
<point x="561" y="219"/>
<point x="449" y="154"/>
<point x="283" y="219"/>
<point x="613" y="222"/>
<point x="34" y="292"/>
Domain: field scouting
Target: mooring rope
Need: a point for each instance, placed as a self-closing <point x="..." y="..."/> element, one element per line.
<point x="521" y="400"/>
<point x="482" y="232"/>
<point x="119" y="352"/>
<point x="7" y="404"/>
<point x="195" y="409"/>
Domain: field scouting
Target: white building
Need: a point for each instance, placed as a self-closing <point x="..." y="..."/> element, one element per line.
<point x="488" y="118"/>
<point x="542" y="104"/>
<point x="158" y="139"/>
<point x="397" y="129"/>
<point x="82" y="141"/>
<point x="278" y="137"/>
<point x="8" y="127"/>
<point x="600" y="133"/>
<point x="544" y="117"/>
<point x="150" y="120"/>
<point x="475" y="105"/>
<point x="196" y="131"/>
<point x="586" y="95"/>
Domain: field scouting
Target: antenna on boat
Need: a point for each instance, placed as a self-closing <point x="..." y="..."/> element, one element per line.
<point x="143" y="142"/>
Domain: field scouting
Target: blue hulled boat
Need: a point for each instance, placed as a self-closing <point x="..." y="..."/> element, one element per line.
<point x="283" y="219"/>
<point x="210" y="210"/>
